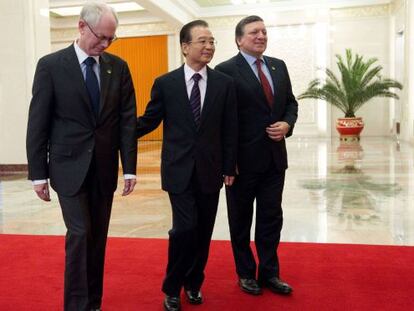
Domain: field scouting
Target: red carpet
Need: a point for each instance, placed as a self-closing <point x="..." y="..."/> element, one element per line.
<point x="324" y="276"/>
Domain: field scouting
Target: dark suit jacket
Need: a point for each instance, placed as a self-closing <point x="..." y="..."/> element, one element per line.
<point x="256" y="150"/>
<point x="63" y="136"/>
<point x="211" y="148"/>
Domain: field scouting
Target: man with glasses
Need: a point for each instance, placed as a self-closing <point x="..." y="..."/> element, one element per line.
<point x="82" y="115"/>
<point x="198" y="107"/>
<point x="267" y="112"/>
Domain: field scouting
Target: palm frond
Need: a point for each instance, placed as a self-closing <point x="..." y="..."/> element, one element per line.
<point x="332" y="77"/>
<point x="370" y="74"/>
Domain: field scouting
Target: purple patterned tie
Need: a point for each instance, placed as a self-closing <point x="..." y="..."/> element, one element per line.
<point x="195" y="99"/>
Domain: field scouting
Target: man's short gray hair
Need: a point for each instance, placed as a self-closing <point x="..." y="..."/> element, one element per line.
<point x="93" y="11"/>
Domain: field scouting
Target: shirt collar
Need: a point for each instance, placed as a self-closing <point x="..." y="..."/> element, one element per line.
<point x="82" y="55"/>
<point x="251" y="60"/>
<point x="189" y="72"/>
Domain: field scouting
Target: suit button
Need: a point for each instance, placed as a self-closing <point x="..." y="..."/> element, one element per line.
<point x="89" y="150"/>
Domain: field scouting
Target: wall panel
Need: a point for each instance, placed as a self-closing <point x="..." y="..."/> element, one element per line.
<point x="147" y="59"/>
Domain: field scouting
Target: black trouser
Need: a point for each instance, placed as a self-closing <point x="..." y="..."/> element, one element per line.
<point x="193" y="217"/>
<point x="86" y="217"/>
<point x="267" y="189"/>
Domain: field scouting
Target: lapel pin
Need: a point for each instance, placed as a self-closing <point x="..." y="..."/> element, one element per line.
<point x="109" y="71"/>
<point x="273" y="68"/>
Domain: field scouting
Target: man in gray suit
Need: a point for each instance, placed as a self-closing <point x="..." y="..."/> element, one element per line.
<point x="198" y="107"/>
<point x="82" y="115"/>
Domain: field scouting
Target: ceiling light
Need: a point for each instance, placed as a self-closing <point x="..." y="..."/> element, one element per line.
<point x="235" y="2"/>
<point x="126" y="6"/>
<point x="119" y="7"/>
<point x="66" y="11"/>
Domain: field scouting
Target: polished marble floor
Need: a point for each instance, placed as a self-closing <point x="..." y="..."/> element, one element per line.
<point x="335" y="192"/>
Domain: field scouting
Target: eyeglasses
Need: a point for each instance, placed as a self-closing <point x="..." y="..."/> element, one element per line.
<point x="204" y="42"/>
<point x="102" y="38"/>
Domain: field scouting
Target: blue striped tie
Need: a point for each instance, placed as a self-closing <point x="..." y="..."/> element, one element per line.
<point x="195" y="99"/>
<point x="92" y="85"/>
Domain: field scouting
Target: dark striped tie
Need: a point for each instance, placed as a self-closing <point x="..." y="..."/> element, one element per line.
<point x="92" y="85"/>
<point x="195" y="99"/>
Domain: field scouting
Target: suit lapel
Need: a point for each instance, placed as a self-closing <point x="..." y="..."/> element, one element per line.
<point x="275" y="73"/>
<point x="73" y="68"/>
<point x="105" y="78"/>
<point x="209" y="101"/>
<point x="75" y="76"/>
<point x="247" y="73"/>
<point x="179" y="84"/>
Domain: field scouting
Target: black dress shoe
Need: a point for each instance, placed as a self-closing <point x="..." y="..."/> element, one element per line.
<point x="194" y="297"/>
<point x="276" y="285"/>
<point x="172" y="303"/>
<point x="250" y="286"/>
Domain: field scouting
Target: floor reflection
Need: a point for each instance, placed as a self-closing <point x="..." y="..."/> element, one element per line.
<point x="334" y="192"/>
<point x="365" y="194"/>
<point x="348" y="192"/>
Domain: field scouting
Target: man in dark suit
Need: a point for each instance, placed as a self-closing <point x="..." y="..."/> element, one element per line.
<point x="81" y="116"/>
<point x="197" y="105"/>
<point x="267" y="112"/>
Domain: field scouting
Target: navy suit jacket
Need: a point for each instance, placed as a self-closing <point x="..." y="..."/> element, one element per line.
<point x="256" y="150"/>
<point x="209" y="149"/>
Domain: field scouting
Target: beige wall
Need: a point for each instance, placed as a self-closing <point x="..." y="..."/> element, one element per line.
<point x="25" y="37"/>
<point x="304" y="39"/>
<point x="365" y="31"/>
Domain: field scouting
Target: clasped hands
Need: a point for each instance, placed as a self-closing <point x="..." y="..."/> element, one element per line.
<point x="278" y="130"/>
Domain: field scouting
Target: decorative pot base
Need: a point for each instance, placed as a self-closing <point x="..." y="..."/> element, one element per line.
<point x="349" y="138"/>
<point x="349" y="128"/>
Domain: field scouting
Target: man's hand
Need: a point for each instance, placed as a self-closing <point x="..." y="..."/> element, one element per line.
<point x="278" y="130"/>
<point x="42" y="191"/>
<point x="228" y="180"/>
<point x="129" y="185"/>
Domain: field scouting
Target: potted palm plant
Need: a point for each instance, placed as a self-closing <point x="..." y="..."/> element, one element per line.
<point x="360" y="80"/>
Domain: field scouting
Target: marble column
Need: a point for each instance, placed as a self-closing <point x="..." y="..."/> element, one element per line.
<point x="25" y="38"/>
